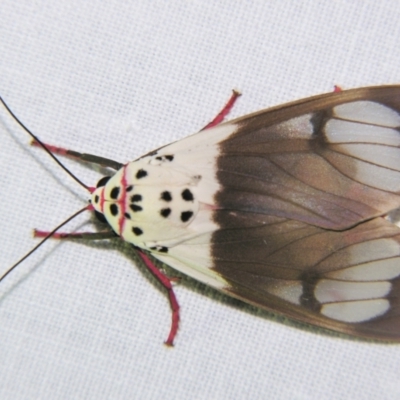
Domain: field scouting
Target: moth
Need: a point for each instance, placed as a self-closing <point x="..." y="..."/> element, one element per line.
<point x="288" y="209"/>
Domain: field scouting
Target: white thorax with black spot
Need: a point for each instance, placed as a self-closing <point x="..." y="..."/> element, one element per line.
<point x="150" y="205"/>
<point x="159" y="200"/>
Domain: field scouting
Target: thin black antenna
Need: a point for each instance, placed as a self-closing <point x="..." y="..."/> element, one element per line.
<point x="44" y="147"/>
<point x="40" y="243"/>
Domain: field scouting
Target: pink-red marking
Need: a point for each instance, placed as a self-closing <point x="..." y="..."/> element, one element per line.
<point x="166" y="282"/>
<point x="225" y="111"/>
<point x="102" y="200"/>
<point x="122" y="201"/>
<point x="52" y="149"/>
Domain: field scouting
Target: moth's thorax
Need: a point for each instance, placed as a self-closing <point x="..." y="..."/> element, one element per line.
<point x="150" y="203"/>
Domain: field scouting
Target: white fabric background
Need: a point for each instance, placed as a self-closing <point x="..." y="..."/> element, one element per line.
<point x="85" y="321"/>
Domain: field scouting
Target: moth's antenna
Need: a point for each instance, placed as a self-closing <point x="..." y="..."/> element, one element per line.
<point x="45" y="148"/>
<point x="89" y="207"/>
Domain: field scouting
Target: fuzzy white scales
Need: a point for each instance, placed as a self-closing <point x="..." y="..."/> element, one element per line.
<point x="164" y="202"/>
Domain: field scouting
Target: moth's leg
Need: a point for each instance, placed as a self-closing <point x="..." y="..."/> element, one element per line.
<point x="225" y="111"/>
<point x="162" y="278"/>
<point x="90" y="158"/>
<point x="166" y="282"/>
<point x="76" y="235"/>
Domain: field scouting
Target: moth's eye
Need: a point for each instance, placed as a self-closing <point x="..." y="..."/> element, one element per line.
<point x="103" y="181"/>
<point x="100" y="216"/>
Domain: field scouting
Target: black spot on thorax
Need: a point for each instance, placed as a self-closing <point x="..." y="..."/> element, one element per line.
<point x="161" y="249"/>
<point x="103" y="181"/>
<point x="166" y="196"/>
<point x="187" y="195"/>
<point x="165" y="212"/>
<point x="137" y="231"/>
<point x="168" y="157"/>
<point x="141" y="174"/>
<point x="114" y="209"/>
<point x="114" y="192"/>
<point x="135" y="208"/>
<point x="136" y="197"/>
<point x="186" y="215"/>
<point x="100" y="217"/>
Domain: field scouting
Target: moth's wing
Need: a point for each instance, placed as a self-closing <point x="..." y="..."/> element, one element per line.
<point x="330" y="161"/>
<point x="294" y="196"/>
<point x="347" y="281"/>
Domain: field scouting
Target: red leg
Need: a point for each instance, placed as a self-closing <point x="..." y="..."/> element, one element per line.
<point x="225" y="111"/>
<point x="337" y="89"/>
<point x="162" y="278"/>
<point x="166" y="282"/>
<point x="54" y="149"/>
<point x="80" y="156"/>
<point x="75" y="235"/>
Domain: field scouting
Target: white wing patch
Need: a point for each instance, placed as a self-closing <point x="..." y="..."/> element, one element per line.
<point x="382" y="248"/>
<point x="364" y="131"/>
<point x="340" y="131"/>
<point x="371" y="271"/>
<point x="355" y="293"/>
<point x="329" y="290"/>
<point x="290" y="291"/>
<point x="375" y="176"/>
<point x="368" y="112"/>
<point x="356" y="311"/>
<point x="369" y="174"/>
<point x="295" y="128"/>
<point x="385" y="156"/>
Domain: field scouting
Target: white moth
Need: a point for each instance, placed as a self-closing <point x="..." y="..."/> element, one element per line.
<point x="285" y="209"/>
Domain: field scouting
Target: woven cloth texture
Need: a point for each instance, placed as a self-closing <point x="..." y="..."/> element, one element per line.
<point x="117" y="79"/>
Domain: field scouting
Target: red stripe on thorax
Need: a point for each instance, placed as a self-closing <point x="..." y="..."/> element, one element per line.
<point x="122" y="201"/>
<point x="102" y="200"/>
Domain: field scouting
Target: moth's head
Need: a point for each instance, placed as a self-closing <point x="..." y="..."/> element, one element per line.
<point x="101" y="197"/>
<point x="114" y="203"/>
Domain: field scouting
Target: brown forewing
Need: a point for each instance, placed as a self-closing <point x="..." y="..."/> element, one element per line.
<point x="289" y="202"/>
